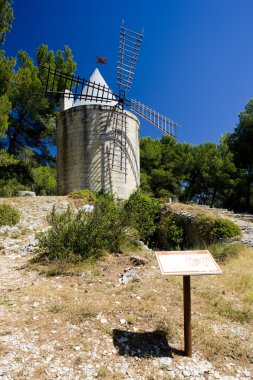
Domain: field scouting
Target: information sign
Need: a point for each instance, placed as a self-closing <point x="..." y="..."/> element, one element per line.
<point x="187" y="263"/>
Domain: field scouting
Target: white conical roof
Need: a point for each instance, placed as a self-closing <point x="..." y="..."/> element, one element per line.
<point x="98" y="79"/>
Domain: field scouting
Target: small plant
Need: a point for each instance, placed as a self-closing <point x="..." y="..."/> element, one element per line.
<point x="86" y="195"/>
<point x="142" y="213"/>
<point x="130" y="319"/>
<point x="211" y="230"/>
<point x="222" y="252"/>
<point x="8" y="215"/>
<point x="169" y="233"/>
<point x="164" y="367"/>
<point x="55" y="308"/>
<point x="102" y="372"/>
<point x="18" y="359"/>
<point x="228" y="310"/>
<point x="167" y="327"/>
<point x="78" y="361"/>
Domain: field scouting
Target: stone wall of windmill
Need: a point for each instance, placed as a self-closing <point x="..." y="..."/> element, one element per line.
<point x="98" y="148"/>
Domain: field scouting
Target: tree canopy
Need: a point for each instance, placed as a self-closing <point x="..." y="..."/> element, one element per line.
<point x="27" y="116"/>
<point x="207" y="173"/>
<point x="241" y="144"/>
<point x="6" y="18"/>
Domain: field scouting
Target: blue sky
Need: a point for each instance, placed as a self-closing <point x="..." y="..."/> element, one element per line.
<point x="195" y="64"/>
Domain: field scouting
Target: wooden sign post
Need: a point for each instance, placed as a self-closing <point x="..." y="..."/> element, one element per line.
<point x="187" y="316"/>
<point x="187" y="264"/>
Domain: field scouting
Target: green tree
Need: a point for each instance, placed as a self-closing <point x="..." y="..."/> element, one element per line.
<point x="204" y="173"/>
<point x="176" y="161"/>
<point x="6" y="18"/>
<point x="241" y="143"/>
<point x="14" y="175"/>
<point x="150" y="154"/>
<point x="32" y="117"/>
<point x="44" y="180"/>
<point x="5" y="107"/>
<point x="164" y="166"/>
<point x="225" y="178"/>
<point x="6" y="74"/>
<point x="212" y="175"/>
<point x="27" y="116"/>
<point x="204" y="164"/>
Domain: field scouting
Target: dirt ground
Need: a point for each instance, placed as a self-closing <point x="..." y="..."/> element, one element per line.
<point x="79" y="322"/>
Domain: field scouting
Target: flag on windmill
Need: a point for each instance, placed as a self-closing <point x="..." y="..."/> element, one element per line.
<point x="101" y="60"/>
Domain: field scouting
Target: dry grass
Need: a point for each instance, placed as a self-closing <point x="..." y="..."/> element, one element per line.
<point x="239" y="275"/>
<point x="91" y="291"/>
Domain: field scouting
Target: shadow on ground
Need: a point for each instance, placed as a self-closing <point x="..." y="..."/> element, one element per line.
<point x="143" y="344"/>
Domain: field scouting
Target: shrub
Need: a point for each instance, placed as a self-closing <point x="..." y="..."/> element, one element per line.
<point x="169" y="233"/>
<point x="213" y="229"/>
<point x="86" y="195"/>
<point x="8" y="215"/>
<point x="44" y="180"/>
<point x="79" y="236"/>
<point x="222" y="252"/>
<point x="9" y="187"/>
<point x="143" y="213"/>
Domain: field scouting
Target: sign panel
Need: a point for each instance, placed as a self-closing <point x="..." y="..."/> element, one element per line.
<point x="187" y="263"/>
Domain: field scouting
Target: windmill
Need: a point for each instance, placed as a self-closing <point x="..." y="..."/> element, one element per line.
<point x="118" y="148"/>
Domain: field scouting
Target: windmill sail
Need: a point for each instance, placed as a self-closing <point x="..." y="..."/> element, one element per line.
<point x="95" y="90"/>
<point x="129" y="46"/>
<point x="78" y="88"/>
<point x="165" y="124"/>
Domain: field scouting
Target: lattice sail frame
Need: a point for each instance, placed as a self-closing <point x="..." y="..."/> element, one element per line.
<point x="57" y="82"/>
<point x="129" y="47"/>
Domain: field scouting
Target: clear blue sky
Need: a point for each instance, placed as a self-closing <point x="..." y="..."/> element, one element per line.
<point x="195" y="64"/>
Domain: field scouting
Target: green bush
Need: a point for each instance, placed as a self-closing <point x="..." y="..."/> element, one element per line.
<point x="143" y="213"/>
<point x="169" y="233"/>
<point x="8" y="215"/>
<point x="223" y="252"/>
<point x="79" y="236"/>
<point x="86" y="195"/>
<point x="9" y="187"/>
<point x="44" y="180"/>
<point x="214" y="229"/>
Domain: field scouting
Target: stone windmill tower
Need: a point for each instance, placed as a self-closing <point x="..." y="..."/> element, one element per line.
<point x="97" y="138"/>
<point x="98" y="145"/>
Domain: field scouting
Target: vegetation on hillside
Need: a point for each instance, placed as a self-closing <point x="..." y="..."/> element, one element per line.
<point x="113" y="225"/>
<point x="83" y="235"/>
<point x="9" y="216"/>
<point x="77" y="236"/>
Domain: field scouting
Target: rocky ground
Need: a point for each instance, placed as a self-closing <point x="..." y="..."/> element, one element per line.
<point x="88" y="325"/>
